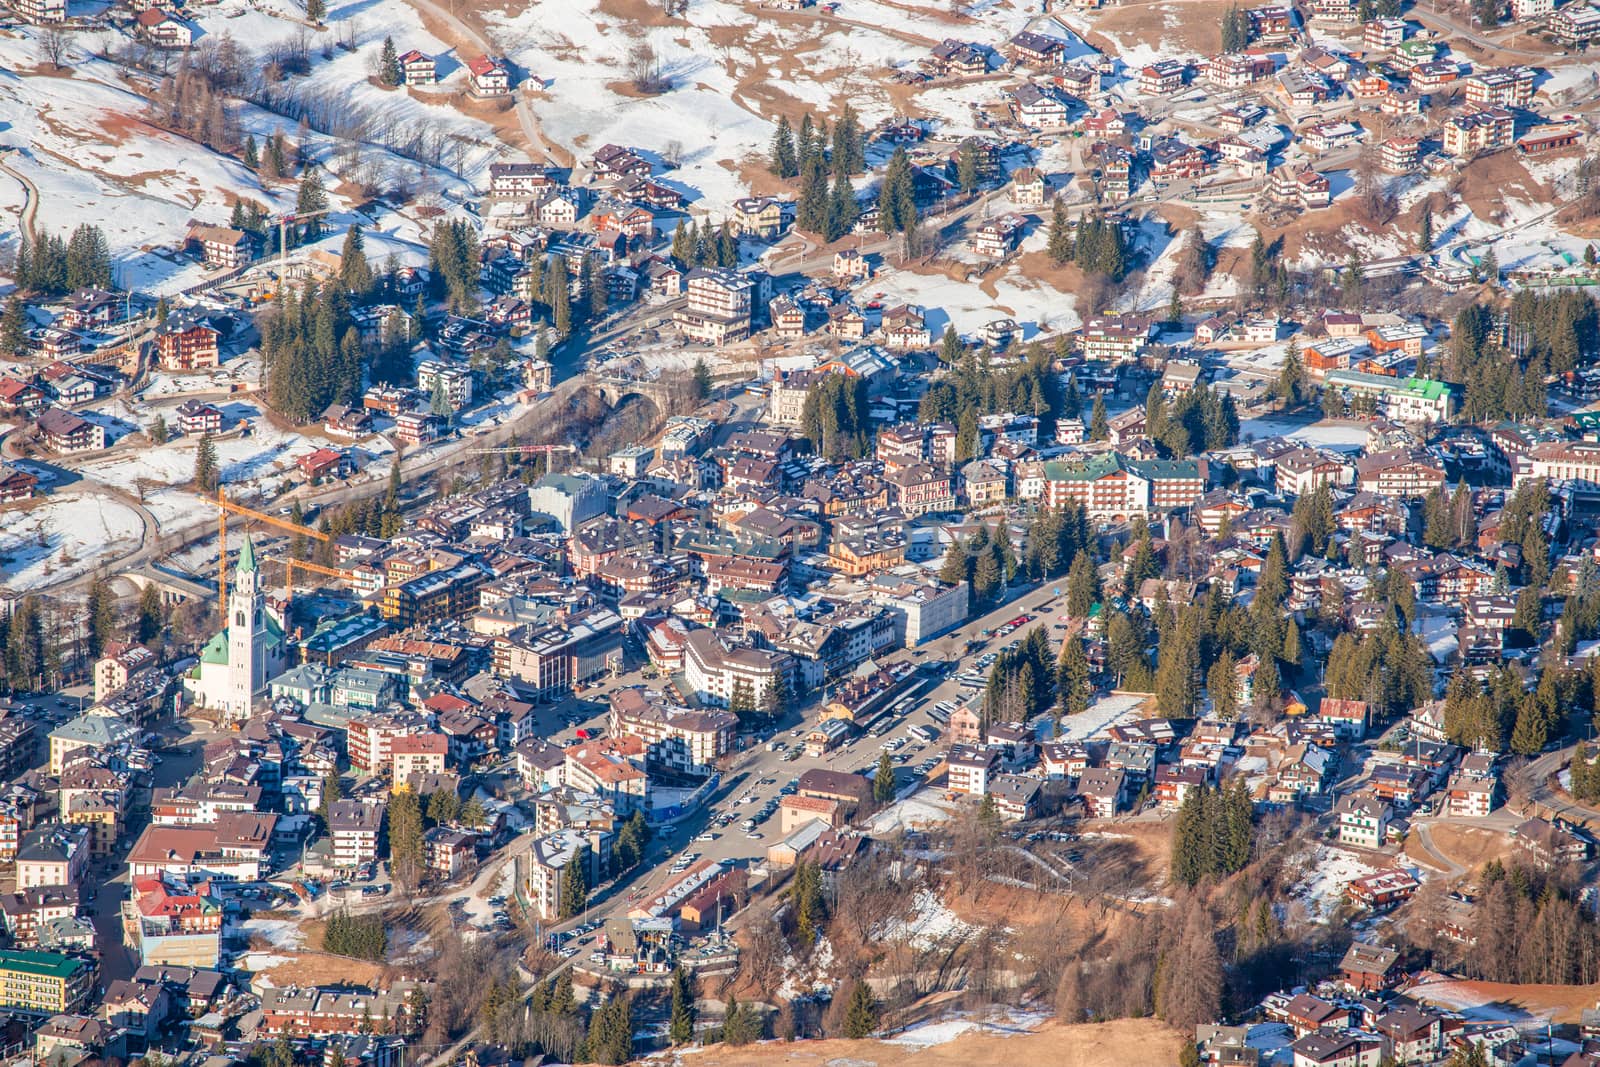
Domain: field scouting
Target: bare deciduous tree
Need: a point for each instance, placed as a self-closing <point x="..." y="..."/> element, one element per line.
<point x="53" y="44"/>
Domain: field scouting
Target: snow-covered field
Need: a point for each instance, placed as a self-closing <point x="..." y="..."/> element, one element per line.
<point x="1099" y="716"/>
<point x="1008" y="1022"/>
<point x="279" y="933"/>
<point x="929" y="923"/>
<point x="1327" y="871"/>
<point x="63" y="537"/>
<point x="926" y="807"/>
<point x="1341" y="436"/>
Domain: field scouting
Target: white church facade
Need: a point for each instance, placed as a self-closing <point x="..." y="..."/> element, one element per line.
<point x="249" y="650"/>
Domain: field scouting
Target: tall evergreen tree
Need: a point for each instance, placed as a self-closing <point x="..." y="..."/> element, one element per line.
<point x="783" y="163"/>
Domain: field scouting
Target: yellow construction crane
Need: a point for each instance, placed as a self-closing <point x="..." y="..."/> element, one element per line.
<point x="224" y="506"/>
<point x="315" y="568"/>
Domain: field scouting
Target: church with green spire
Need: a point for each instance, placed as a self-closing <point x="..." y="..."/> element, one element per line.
<point x="249" y="650"/>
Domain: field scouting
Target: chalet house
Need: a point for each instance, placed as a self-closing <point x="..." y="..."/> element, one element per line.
<point x="1363" y="821"/>
<point x="760" y="217"/>
<point x="418" y="69"/>
<point x="94" y="309"/>
<point x="1369" y="87"/>
<point x="1379" y="34"/>
<point x="416" y="427"/>
<point x="1501" y="87"/>
<point x="636" y="222"/>
<point x="1470" y="796"/>
<point x="905" y="329"/>
<point x="1400" y="154"/>
<point x="1401" y="473"/>
<point x="1382" y="890"/>
<point x="953" y="58"/>
<point x="220" y="247"/>
<point x="1162" y="78"/>
<point x="1302" y="188"/>
<point x="1171" y="158"/>
<point x="518" y="179"/>
<point x="16" y="484"/>
<point x="619" y="162"/>
<point x="1115" y="338"/>
<point x="18" y="395"/>
<point x="1107" y="122"/>
<point x="39" y="11"/>
<point x="346" y="422"/>
<point x="1304" y="88"/>
<point x="1480" y="131"/>
<point x="1270" y="23"/>
<point x="1327" y="136"/>
<point x="1039" y="107"/>
<point x="1307" y="1014"/>
<point x="1236" y="70"/>
<point x="1173" y="784"/>
<point x="1103" y="791"/>
<point x="196" y="418"/>
<point x="1028" y="187"/>
<point x="999" y="237"/>
<point x="663" y="281"/>
<point x="63" y="431"/>
<point x="1368" y="968"/>
<point x="67" y="385"/>
<point x="487" y="78"/>
<point x="787" y="317"/>
<point x="1345" y="1048"/>
<point x="58" y="343"/>
<point x="1035" y="49"/>
<point x="637" y="190"/>
<point x="1434" y="76"/>
<point x="162" y="30"/>
<point x="1550" y="842"/>
<point x="188" y="341"/>
<point x="1240" y="117"/>
<point x="1412" y="1034"/>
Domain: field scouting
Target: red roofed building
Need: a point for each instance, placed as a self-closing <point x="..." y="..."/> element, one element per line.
<point x="488" y="77"/>
<point x="187" y="913"/>
<point x="324" y="463"/>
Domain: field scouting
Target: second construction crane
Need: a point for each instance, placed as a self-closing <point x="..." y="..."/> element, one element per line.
<point x="226" y="507"/>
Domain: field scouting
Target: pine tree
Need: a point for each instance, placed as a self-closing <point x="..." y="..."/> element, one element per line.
<point x="1222" y="683"/>
<point x="150" y="614"/>
<point x="102" y="614"/>
<point x="252" y="155"/>
<point x="1059" y="243"/>
<point x="681" y="1027"/>
<point x="205" y="466"/>
<point x="14" y="328"/>
<point x="355" y="273"/>
<point x="841" y="208"/>
<point x="1072" y="677"/>
<point x="574" y="886"/>
<point x="883" y="782"/>
<point x="332" y="793"/>
<point x="682" y="244"/>
<point x="311" y="198"/>
<point x="557" y="297"/>
<point x="1425" y="231"/>
<point x="1532" y="730"/>
<point x="811" y="210"/>
<point x="389" y="64"/>
<point x="967" y="166"/>
<point x="861" y="1014"/>
<point x="1099" y="425"/>
<point x="783" y="162"/>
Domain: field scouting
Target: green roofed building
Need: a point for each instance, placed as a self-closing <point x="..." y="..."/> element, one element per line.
<point x="44" y="982"/>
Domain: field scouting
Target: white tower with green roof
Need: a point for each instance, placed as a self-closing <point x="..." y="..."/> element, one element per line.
<point x="239" y="661"/>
